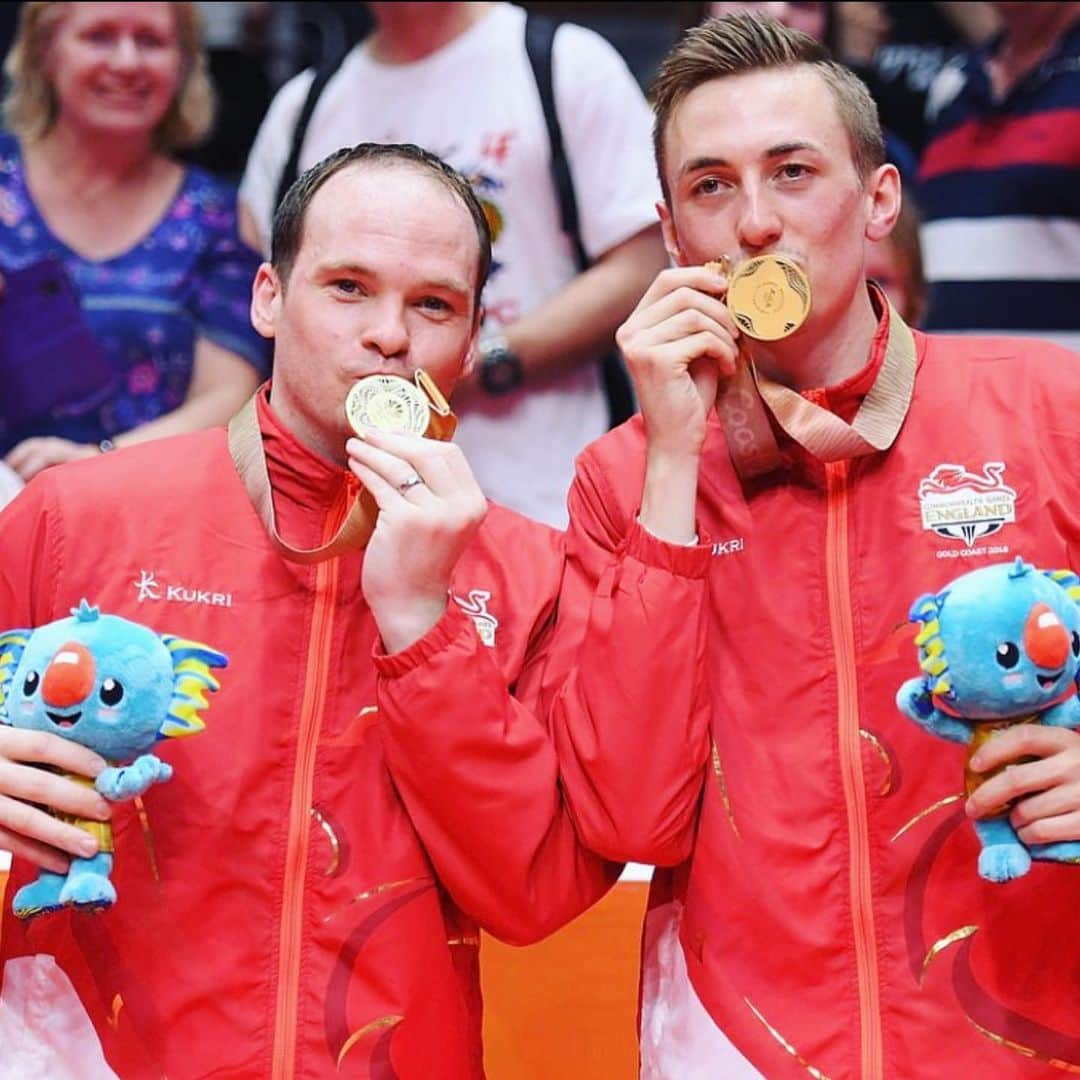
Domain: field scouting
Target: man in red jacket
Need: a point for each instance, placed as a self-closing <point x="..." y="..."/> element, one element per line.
<point x="830" y="919"/>
<point x="278" y="914"/>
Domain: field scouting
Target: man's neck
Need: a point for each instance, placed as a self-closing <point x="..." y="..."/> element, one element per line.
<point x="412" y="32"/>
<point x="306" y="431"/>
<point x="837" y="354"/>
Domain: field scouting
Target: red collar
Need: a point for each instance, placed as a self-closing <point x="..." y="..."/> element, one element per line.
<point x="305" y="485"/>
<point x="845" y="397"/>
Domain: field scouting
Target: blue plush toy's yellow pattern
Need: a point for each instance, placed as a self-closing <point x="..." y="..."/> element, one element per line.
<point x="931" y="647"/>
<point x="12" y="644"/>
<point x="191" y="669"/>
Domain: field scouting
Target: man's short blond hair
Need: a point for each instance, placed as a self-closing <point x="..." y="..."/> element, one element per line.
<point x="744" y="43"/>
<point x="31" y="106"/>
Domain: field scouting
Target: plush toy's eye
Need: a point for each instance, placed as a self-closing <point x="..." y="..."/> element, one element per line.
<point x="31" y="683"/>
<point x="111" y="692"/>
<point x="1008" y="655"/>
<point x="1076" y="643"/>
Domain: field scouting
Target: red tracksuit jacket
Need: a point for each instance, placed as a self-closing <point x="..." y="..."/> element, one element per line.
<point x="278" y="915"/>
<point x="832" y="919"/>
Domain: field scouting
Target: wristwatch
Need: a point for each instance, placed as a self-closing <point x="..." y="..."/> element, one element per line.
<point x="500" y="367"/>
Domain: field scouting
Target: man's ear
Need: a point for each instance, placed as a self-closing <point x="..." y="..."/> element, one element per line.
<point x="884" y="194"/>
<point x="266" y="294"/>
<point x="671" y="237"/>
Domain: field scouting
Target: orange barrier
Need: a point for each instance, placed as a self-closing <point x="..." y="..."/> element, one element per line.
<point x="567" y="1006"/>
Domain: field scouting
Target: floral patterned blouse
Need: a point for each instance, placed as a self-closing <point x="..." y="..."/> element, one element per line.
<point x="189" y="277"/>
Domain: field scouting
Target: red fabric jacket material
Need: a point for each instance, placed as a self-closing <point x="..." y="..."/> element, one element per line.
<point x="833" y="917"/>
<point x="278" y="915"/>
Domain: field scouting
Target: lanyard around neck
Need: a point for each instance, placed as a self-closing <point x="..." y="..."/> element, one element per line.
<point x="743" y="404"/>
<point x="249" y="457"/>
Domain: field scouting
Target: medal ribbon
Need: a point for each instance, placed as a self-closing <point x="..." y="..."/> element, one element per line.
<point x="249" y="457"/>
<point x="753" y="448"/>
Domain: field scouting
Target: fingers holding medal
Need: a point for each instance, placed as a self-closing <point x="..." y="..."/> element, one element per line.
<point x="678" y="343"/>
<point x="429" y="507"/>
<point x="385" y="412"/>
<point x="392" y="456"/>
<point x="681" y="316"/>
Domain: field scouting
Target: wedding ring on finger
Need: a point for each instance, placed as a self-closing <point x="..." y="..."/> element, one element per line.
<point x="410" y="483"/>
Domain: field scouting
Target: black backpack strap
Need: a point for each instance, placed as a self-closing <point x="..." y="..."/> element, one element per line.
<point x="291" y="170"/>
<point x="540" y="47"/>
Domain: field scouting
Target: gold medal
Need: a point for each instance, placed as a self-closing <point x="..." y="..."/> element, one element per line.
<point x="388" y="403"/>
<point x="769" y="296"/>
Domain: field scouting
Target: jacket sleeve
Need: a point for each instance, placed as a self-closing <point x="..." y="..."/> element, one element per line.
<point x="625" y="684"/>
<point x="478" y="773"/>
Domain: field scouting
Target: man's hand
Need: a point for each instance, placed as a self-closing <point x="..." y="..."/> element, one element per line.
<point x="678" y="342"/>
<point x="1048" y="789"/>
<point x="33" y="455"/>
<point x="33" y="833"/>
<point x="430" y="506"/>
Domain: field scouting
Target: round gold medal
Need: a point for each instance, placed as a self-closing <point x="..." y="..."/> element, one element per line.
<point x="769" y="297"/>
<point x="388" y="403"/>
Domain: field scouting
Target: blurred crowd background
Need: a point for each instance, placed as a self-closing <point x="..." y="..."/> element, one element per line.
<point x="126" y="258"/>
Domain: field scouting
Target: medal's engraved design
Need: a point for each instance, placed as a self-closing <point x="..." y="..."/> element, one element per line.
<point x="797" y="282"/>
<point x="769" y="296"/>
<point x="388" y="403"/>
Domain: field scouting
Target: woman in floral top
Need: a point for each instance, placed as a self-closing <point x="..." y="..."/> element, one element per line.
<point x="101" y="93"/>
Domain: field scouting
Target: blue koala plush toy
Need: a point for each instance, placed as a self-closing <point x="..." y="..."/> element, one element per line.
<point x="999" y="646"/>
<point x="117" y="687"/>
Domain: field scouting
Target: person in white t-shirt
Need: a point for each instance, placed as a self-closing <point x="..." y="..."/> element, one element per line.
<point x="455" y="78"/>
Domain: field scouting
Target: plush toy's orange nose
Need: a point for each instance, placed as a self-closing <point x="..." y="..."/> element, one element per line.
<point x="69" y="678"/>
<point x="1046" y="641"/>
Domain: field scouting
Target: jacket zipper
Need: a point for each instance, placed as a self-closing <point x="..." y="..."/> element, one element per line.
<point x="838" y="581"/>
<point x="312" y="704"/>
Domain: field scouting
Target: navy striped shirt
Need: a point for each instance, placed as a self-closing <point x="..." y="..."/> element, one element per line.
<point x="1000" y="198"/>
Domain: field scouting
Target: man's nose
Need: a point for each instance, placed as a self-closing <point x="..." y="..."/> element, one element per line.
<point x="385" y="330"/>
<point x="759" y="226"/>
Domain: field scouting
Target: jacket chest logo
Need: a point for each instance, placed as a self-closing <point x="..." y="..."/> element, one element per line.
<point x="967" y="507"/>
<point x="475" y="606"/>
<point x="149" y="587"/>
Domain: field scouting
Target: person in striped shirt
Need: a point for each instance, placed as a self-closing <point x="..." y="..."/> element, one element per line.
<point x="1000" y="181"/>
